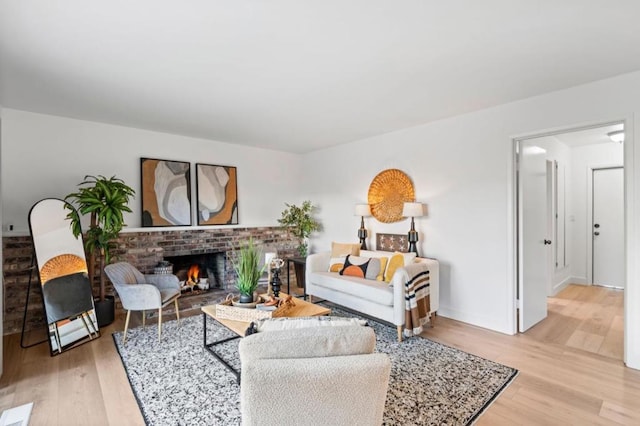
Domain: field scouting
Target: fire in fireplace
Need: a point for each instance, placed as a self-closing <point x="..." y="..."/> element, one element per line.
<point x="194" y="281"/>
<point x="199" y="272"/>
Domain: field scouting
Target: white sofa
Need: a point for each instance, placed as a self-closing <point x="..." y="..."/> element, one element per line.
<point x="377" y="299"/>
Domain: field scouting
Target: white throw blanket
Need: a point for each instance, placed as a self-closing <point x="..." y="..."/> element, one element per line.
<point x="417" y="301"/>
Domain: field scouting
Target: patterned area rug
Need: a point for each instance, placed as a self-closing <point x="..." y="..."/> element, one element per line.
<point x="177" y="382"/>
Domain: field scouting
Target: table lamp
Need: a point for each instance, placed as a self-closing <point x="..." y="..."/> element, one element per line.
<point x="413" y="210"/>
<point x="362" y="210"/>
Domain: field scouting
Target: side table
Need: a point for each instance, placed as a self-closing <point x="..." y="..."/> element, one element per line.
<point x="300" y="266"/>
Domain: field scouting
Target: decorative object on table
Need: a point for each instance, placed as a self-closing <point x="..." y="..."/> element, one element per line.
<point x="387" y="193"/>
<point x="247" y="271"/>
<point x="227" y="310"/>
<point x="166" y="192"/>
<point x="269" y="253"/>
<point x="300" y="223"/>
<point x="163" y="267"/>
<point x="106" y="201"/>
<point x="62" y="270"/>
<point x="217" y="194"/>
<point x="362" y="210"/>
<point x="413" y="210"/>
<point x="143" y="292"/>
<point x="392" y="242"/>
<point x="275" y="267"/>
<point x="235" y="301"/>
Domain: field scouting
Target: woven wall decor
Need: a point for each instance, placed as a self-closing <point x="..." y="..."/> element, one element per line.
<point x="388" y="192"/>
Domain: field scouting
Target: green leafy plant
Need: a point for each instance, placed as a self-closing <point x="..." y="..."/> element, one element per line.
<point x="300" y="223"/>
<point x="246" y="267"/>
<point x="105" y="200"/>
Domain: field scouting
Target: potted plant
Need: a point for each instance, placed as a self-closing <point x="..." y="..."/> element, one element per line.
<point x="300" y="223"/>
<point x="105" y="200"/>
<point x="247" y="271"/>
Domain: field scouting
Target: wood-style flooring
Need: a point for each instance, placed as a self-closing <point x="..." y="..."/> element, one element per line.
<point x="571" y="370"/>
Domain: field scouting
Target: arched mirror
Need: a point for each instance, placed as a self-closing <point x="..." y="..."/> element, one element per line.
<point x="62" y="269"/>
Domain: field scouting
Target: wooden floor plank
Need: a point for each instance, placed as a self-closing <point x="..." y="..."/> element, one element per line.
<point x="560" y="381"/>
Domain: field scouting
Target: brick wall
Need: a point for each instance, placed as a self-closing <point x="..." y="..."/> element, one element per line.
<point x="142" y="249"/>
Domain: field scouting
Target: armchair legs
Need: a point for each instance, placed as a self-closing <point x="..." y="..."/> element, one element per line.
<point x="126" y="325"/>
<point x="126" y="322"/>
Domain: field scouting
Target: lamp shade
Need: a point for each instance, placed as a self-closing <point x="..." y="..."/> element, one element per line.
<point x="412" y="210"/>
<point x="363" y="210"/>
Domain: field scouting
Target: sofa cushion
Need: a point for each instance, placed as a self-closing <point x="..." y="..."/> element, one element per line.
<point x="387" y="266"/>
<point x="371" y="290"/>
<point x="290" y="323"/>
<point x="362" y="267"/>
<point x="396" y="261"/>
<point x="336" y="263"/>
<point x="339" y="252"/>
<point x="344" y="249"/>
<point x="355" y="266"/>
<point x="308" y="343"/>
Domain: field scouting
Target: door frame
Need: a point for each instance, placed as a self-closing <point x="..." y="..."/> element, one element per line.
<point x="632" y="289"/>
<point x="589" y="230"/>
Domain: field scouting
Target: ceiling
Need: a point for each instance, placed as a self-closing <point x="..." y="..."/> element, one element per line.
<point x="588" y="136"/>
<point x="297" y="75"/>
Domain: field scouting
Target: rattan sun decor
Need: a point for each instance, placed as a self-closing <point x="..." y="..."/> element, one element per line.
<point x="388" y="192"/>
<point x="61" y="265"/>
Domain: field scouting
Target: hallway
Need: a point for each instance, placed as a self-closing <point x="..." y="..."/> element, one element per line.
<point x="589" y="318"/>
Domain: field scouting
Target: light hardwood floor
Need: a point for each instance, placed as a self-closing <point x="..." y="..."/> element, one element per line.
<point x="570" y="370"/>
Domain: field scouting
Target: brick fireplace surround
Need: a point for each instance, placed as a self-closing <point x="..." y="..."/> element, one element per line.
<point x="142" y="249"/>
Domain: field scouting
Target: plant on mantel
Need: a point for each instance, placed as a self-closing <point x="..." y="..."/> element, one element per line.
<point x="105" y="200"/>
<point x="300" y="223"/>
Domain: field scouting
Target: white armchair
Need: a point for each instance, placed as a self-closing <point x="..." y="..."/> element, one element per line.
<point x="140" y="292"/>
<point x="322" y="375"/>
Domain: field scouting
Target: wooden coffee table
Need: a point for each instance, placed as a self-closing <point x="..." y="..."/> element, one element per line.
<point x="301" y="309"/>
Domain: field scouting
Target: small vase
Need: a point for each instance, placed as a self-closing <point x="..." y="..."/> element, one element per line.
<point x="246" y="298"/>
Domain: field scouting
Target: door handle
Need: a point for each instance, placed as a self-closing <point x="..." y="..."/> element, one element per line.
<point x="596" y="233"/>
<point x="547" y="242"/>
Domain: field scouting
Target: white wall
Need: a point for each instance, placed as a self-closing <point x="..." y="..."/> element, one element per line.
<point x="583" y="159"/>
<point x="47" y="156"/>
<point x="462" y="168"/>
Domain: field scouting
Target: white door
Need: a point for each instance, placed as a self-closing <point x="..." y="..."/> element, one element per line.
<point x="608" y="227"/>
<point x="533" y="242"/>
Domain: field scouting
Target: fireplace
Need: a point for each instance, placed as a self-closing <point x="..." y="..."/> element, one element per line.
<point x="199" y="273"/>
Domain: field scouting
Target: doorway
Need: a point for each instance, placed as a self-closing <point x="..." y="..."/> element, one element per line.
<point x="562" y="248"/>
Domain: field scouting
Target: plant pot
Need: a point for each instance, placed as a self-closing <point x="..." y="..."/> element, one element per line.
<point x="105" y="310"/>
<point x="246" y="298"/>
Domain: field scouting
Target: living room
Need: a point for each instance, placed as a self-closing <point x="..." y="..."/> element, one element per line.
<point x="457" y="146"/>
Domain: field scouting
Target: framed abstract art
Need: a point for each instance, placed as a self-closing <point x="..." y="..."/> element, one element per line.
<point x="217" y="194"/>
<point x="166" y="192"/>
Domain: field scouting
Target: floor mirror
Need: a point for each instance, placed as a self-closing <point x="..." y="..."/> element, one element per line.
<point x="62" y="270"/>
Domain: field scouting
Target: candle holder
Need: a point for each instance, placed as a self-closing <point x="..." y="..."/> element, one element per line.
<point x="275" y="267"/>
